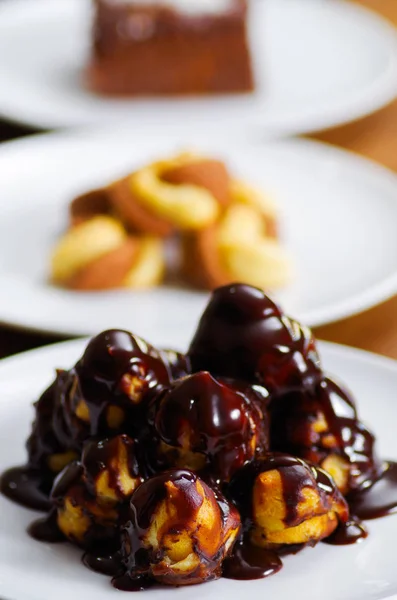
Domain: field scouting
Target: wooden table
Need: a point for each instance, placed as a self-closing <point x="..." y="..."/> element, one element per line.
<point x="374" y="137"/>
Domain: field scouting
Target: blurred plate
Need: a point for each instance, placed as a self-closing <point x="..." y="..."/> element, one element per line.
<point x="36" y="571"/>
<point x="338" y="216"/>
<point x="317" y="63"/>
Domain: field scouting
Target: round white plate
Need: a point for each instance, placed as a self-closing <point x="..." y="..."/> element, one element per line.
<point x="338" y="216"/>
<point x="317" y="64"/>
<point x="30" y="570"/>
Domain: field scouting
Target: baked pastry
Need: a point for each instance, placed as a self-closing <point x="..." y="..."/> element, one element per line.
<point x="286" y="501"/>
<point x="222" y="228"/>
<point x="170" y="47"/>
<point x="89" y="495"/>
<point x="244" y="334"/>
<point x="106" y="393"/>
<point x="321" y="425"/>
<point x="97" y="254"/>
<point x="204" y="423"/>
<point x="178" y="530"/>
<point x="182" y="193"/>
<point x="238" y="247"/>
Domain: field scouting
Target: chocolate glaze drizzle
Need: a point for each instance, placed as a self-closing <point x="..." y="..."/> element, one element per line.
<point x="177" y="363"/>
<point x="118" y="370"/>
<point x="381" y="499"/>
<point x="250" y="562"/>
<point x="26" y="487"/>
<point x="296" y="475"/>
<point x="293" y="430"/>
<point x="244" y="335"/>
<point x="188" y="496"/>
<point x="351" y="532"/>
<point x="224" y="422"/>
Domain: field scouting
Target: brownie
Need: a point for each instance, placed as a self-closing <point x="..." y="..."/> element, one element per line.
<point x="158" y="47"/>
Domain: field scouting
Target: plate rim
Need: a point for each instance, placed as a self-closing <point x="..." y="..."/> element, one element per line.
<point x="378" y="94"/>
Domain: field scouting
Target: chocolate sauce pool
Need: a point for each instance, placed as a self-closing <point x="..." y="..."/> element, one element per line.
<point x="250" y="562"/>
<point x="381" y="499"/>
<point x="25" y="486"/>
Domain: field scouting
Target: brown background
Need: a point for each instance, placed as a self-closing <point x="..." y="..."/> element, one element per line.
<point x="374" y="137"/>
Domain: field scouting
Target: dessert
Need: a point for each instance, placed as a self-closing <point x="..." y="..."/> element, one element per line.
<point x="170" y="47"/>
<point x="178" y="530"/>
<point x="321" y="425"/>
<point x="179" y="469"/>
<point x="239" y="246"/>
<point x="106" y="393"/>
<point x="223" y="230"/>
<point x="285" y="501"/>
<point x="90" y="495"/>
<point x="204" y="423"/>
<point x="244" y="334"/>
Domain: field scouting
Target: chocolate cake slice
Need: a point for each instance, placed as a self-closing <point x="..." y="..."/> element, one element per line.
<point x="170" y="47"/>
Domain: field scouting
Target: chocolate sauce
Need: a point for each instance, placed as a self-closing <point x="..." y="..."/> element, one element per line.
<point x="104" y="561"/>
<point x="126" y="584"/>
<point x="221" y="421"/>
<point x="351" y="532"/>
<point x="26" y="487"/>
<point x="106" y="454"/>
<point x="178" y="363"/>
<point x="143" y="505"/>
<point x="55" y="429"/>
<point x="244" y="335"/>
<point x="119" y="369"/>
<point x="294" y="415"/>
<point x="66" y="479"/>
<point x="187" y="495"/>
<point x="46" y="529"/>
<point x="296" y="475"/>
<point x="251" y="562"/>
<point x="381" y="499"/>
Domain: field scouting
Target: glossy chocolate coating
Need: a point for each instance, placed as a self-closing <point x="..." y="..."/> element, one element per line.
<point x="117" y="370"/>
<point x="79" y="481"/>
<point x="103" y="454"/>
<point x="244" y="335"/>
<point x="347" y="533"/>
<point x="178" y="363"/>
<point x="249" y="562"/>
<point x="52" y="428"/>
<point x="381" y="499"/>
<point x="295" y="475"/>
<point x="27" y="487"/>
<point x="145" y="501"/>
<point x="293" y="419"/>
<point x="224" y="421"/>
<point x="104" y="372"/>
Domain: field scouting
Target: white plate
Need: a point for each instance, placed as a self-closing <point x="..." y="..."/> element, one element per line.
<point x="33" y="571"/>
<point x="338" y="216"/>
<point x="317" y="64"/>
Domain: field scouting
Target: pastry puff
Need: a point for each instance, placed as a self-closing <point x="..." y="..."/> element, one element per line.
<point x="182" y="193"/>
<point x="99" y="254"/>
<point x="285" y="500"/>
<point x="241" y="246"/>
